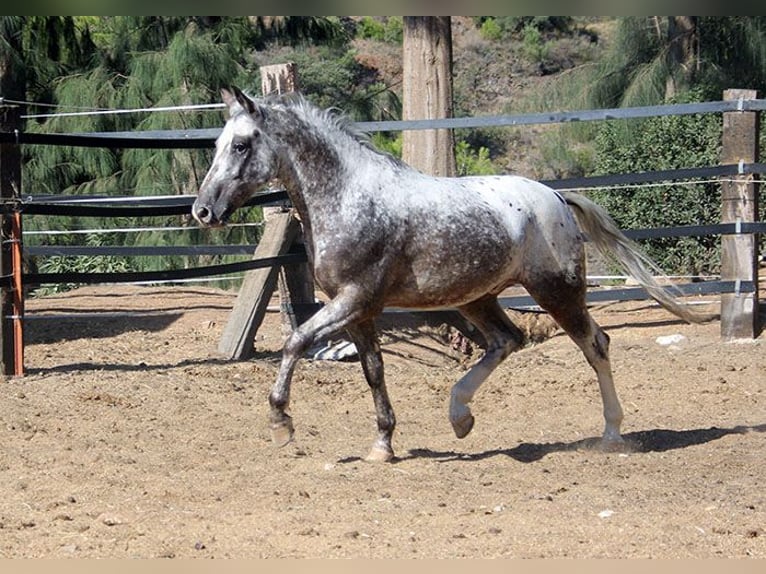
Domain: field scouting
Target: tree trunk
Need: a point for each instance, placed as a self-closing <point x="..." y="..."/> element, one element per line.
<point x="427" y="93"/>
<point x="682" y="35"/>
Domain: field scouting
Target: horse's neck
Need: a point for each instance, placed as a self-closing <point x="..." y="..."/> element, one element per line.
<point x="311" y="169"/>
<point x="322" y="167"/>
<point x="309" y="190"/>
<point x="308" y="195"/>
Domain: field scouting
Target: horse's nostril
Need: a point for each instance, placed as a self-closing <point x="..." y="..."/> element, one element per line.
<point x="202" y="214"/>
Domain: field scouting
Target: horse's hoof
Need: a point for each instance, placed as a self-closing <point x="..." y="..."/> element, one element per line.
<point x="379" y="454"/>
<point x="617" y="445"/>
<point x="281" y="433"/>
<point x="463" y="425"/>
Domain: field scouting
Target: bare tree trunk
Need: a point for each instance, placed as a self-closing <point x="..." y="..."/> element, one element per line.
<point x="682" y="36"/>
<point x="427" y="92"/>
<point x="427" y="95"/>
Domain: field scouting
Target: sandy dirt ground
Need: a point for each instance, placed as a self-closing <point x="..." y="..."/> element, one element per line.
<point x="130" y="437"/>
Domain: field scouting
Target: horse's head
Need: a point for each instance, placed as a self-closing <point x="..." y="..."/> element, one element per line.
<point x="245" y="159"/>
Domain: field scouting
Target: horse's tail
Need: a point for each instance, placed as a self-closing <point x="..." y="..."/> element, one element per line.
<point x="603" y="232"/>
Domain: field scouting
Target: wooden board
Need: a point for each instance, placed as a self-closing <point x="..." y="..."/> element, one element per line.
<point x="250" y="306"/>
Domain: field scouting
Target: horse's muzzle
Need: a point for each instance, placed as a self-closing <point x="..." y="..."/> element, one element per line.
<point x="206" y="216"/>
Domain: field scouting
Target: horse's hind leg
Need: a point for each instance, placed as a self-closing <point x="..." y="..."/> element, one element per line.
<point x="502" y="337"/>
<point x="566" y="304"/>
<point x="365" y="338"/>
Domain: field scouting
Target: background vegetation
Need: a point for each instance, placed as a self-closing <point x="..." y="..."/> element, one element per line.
<point x="501" y="65"/>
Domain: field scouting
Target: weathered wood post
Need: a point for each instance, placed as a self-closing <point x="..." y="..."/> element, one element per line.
<point x="296" y="282"/>
<point x="12" y="298"/>
<point x="280" y="233"/>
<point x="739" y="195"/>
<point x="427" y="93"/>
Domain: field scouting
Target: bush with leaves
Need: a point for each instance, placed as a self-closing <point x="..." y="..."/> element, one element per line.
<point x="381" y="28"/>
<point x="472" y="161"/>
<point x="497" y="27"/>
<point x="665" y="143"/>
<point x="83" y="264"/>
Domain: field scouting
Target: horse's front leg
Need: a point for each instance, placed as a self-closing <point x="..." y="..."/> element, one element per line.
<point x="366" y="341"/>
<point x="334" y="317"/>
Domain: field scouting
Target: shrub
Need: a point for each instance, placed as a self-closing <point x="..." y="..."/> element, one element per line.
<point x="491" y="30"/>
<point x="472" y="161"/>
<point x="662" y="143"/>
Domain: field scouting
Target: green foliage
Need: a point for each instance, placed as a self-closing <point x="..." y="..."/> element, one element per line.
<point x="635" y="70"/>
<point x="331" y="76"/>
<point x="567" y="156"/>
<point x="534" y="46"/>
<point x="88" y="264"/>
<point x="732" y="54"/>
<point x="384" y="29"/>
<point x="503" y="26"/>
<point x="665" y="143"/>
<point x="389" y="143"/>
<point x="370" y="29"/>
<point x="302" y="30"/>
<point x="139" y="62"/>
<point x="491" y="30"/>
<point x="472" y="161"/>
<point x="469" y="160"/>
<point x="494" y="140"/>
<point x="730" y="51"/>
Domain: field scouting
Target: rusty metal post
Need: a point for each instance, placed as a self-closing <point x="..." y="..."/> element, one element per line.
<point x="12" y="297"/>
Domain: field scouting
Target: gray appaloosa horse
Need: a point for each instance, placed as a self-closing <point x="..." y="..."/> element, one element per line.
<point x="379" y="233"/>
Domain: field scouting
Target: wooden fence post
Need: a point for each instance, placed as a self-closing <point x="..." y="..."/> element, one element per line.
<point x="739" y="196"/>
<point x="12" y="297"/>
<point x="281" y="231"/>
<point x="250" y="306"/>
<point x="296" y="282"/>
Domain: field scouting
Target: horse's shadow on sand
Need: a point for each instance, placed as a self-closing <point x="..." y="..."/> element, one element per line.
<point x="655" y="440"/>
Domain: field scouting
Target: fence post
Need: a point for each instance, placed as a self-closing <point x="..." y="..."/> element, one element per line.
<point x="296" y="282"/>
<point x="12" y="297"/>
<point x="739" y="196"/>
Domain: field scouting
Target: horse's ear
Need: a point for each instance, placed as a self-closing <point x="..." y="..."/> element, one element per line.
<point x="236" y="98"/>
<point x="228" y="98"/>
<point x="244" y="101"/>
<point x="232" y="105"/>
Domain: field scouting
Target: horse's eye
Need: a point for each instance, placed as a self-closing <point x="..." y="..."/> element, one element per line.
<point x="240" y="147"/>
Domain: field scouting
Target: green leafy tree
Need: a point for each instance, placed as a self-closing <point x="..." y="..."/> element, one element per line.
<point x="143" y="62"/>
<point x="665" y="143"/>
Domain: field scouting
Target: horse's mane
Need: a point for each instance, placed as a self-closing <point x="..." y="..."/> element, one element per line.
<point x="332" y="118"/>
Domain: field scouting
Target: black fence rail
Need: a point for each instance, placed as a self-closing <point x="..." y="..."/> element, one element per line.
<point x="120" y="207"/>
<point x="13" y="204"/>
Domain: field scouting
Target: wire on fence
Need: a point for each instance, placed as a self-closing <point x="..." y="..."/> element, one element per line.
<point x="205" y="137"/>
<point x="200" y="138"/>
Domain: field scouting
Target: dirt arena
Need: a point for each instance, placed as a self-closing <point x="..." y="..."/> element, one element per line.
<point x="129" y="437"/>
